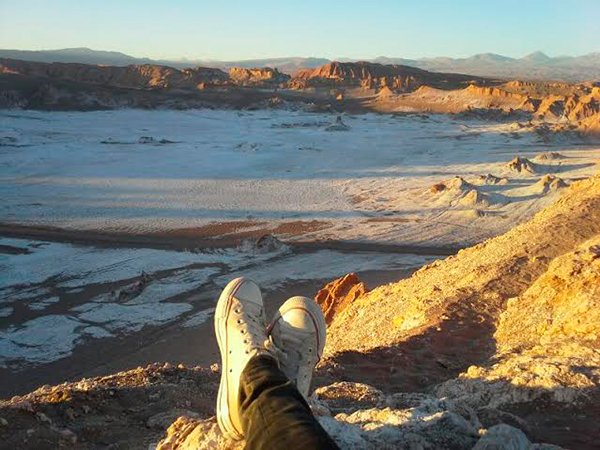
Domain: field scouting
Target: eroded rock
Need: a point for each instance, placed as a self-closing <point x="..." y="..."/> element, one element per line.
<point x="338" y="294"/>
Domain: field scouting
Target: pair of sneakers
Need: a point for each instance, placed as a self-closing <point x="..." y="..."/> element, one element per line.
<point x="295" y="338"/>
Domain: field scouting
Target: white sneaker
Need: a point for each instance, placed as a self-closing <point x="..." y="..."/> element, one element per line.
<point x="240" y="330"/>
<point x="297" y="333"/>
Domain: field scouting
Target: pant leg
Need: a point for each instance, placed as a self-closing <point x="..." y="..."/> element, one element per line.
<point x="274" y="414"/>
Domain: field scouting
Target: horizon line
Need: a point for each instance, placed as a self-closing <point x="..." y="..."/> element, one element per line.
<point x="339" y="58"/>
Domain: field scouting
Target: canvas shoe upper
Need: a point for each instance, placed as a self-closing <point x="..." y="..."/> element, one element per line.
<point x="297" y="333"/>
<point x="240" y="332"/>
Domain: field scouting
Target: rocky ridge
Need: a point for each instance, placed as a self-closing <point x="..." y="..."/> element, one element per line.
<point x="375" y="76"/>
<point x="357" y="86"/>
<point x="144" y="76"/>
<point x="265" y="76"/>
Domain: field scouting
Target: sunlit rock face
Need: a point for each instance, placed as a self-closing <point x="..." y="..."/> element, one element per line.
<point x="264" y="76"/>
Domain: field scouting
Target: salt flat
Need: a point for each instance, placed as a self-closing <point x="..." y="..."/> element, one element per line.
<point x="140" y="171"/>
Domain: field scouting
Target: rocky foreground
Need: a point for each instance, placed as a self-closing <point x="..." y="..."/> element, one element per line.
<point x="496" y="347"/>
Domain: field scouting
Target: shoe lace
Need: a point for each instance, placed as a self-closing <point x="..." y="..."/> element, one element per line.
<point x="289" y="353"/>
<point x="253" y="327"/>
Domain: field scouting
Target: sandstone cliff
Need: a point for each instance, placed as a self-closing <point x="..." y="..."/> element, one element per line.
<point x="258" y="76"/>
<point x="135" y="77"/>
<point x="374" y="76"/>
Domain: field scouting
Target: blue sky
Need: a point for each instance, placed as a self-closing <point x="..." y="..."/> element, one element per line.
<point x="242" y="29"/>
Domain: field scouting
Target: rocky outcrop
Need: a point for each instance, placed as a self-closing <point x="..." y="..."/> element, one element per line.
<point x="335" y="296"/>
<point x="376" y="76"/>
<point x="386" y="88"/>
<point x="457" y="184"/>
<point x="548" y="183"/>
<point x="457" y="192"/>
<point x="482" y="91"/>
<point x="480" y="273"/>
<point x="584" y="108"/>
<point x="359" y="416"/>
<point x="561" y="308"/>
<point x="547" y="349"/>
<point x="133" y="77"/>
<point x="510" y="324"/>
<point x="520" y="165"/>
<point x="490" y="179"/>
<point x="129" y="409"/>
<point x="264" y="76"/>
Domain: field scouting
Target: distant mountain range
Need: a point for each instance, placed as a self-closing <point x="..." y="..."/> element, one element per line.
<point x="537" y="65"/>
<point x="88" y="56"/>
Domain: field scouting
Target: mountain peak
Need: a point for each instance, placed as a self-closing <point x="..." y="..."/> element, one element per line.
<point x="537" y="56"/>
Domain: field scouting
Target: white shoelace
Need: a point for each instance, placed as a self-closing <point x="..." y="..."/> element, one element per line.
<point x="292" y="356"/>
<point x="253" y="328"/>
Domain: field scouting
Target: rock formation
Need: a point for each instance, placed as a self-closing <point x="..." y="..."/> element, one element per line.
<point x="549" y="156"/>
<point x="519" y="165"/>
<point x="135" y="77"/>
<point x="490" y="179"/>
<point x="359" y="86"/>
<point x="338" y="294"/>
<point x="548" y="183"/>
<point x="376" y="76"/>
<point x="265" y="76"/>
<point x="457" y="319"/>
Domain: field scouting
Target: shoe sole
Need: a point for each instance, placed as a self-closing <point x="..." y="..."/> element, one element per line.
<point x="221" y="314"/>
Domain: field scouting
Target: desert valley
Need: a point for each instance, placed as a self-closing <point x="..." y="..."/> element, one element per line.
<point x="447" y="223"/>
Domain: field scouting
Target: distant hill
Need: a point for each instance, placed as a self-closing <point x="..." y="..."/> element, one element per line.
<point x="84" y="55"/>
<point x="537" y="65"/>
<point x="75" y="55"/>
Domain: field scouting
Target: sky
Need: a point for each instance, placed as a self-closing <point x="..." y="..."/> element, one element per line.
<point x="247" y="29"/>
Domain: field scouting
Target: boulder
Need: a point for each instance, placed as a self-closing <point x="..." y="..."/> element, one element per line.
<point x="503" y="437"/>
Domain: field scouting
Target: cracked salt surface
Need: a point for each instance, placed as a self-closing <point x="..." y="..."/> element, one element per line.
<point x="199" y="318"/>
<point x="149" y="307"/>
<point x="50" y="337"/>
<point x="43" y="304"/>
<point x="44" y="339"/>
<point x="74" y="266"/>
